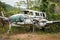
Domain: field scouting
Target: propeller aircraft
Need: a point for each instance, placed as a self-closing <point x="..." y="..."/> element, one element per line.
<point x="27" y="17"/>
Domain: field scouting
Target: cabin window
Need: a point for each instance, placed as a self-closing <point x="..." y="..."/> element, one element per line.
<point x="30" y="13"/>
<point x="37" y="14"/>
<point x="25" y="12"/>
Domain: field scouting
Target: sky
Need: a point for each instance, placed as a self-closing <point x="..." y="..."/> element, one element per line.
<point x="13" y="2"/>
<point x="10" y="2"/>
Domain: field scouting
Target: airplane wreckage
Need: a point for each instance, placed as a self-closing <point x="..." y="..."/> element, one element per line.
<point x="38" y="19"/>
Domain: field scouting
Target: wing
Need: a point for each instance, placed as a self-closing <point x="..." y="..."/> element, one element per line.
<point x="52" y="23"/>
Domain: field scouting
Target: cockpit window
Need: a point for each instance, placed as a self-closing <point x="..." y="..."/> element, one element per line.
<point x="42" y="14"/>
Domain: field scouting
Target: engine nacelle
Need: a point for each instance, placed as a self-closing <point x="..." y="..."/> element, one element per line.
<point x="42" y="22"/>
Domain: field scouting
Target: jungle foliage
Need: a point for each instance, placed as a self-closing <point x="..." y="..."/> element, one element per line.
<point x="8" y="9"/>
<point x="47" y="6"/>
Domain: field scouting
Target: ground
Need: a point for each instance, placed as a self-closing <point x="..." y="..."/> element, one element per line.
<point x="31" y="36"/>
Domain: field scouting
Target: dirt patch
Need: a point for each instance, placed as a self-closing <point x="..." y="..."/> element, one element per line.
<point x="28" y="36"/>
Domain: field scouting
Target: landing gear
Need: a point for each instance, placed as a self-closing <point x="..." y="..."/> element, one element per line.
<point x="9" y="28"/>
<point x="32" y="28"/>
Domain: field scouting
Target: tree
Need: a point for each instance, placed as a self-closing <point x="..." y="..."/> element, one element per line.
<point x="52" y="8"/>
<point x="44" y="6"/>
<point x="2" y="6"/>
